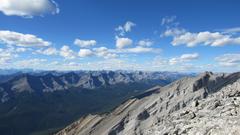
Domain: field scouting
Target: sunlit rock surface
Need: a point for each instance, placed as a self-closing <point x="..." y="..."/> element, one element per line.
<point x="207" y="104"/>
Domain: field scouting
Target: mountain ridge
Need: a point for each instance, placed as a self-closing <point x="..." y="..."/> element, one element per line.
<point x="50" y="82"/>
<point x="48" y="101"/>
<point x="182" y="100"/>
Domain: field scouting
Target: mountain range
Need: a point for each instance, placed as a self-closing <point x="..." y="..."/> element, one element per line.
<point x="51" y="81"/>
<point x="44" y="102"/>
<point x="207" y="104"/>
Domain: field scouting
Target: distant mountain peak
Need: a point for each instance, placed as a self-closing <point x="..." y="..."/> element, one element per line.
<point x="52" y="81"/>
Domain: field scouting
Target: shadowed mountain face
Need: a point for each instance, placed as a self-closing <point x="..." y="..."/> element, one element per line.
<point x="50" y="82"/>
<point x="44" y="102"/>
<point x="207" y="104"/>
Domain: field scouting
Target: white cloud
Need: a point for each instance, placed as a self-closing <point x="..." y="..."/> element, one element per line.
<point x="48" y="51"/>
<point x="85" y="53"/>
<point x="67" y="53"/>
<point x="24" y="40"/>
<point x="173" y="32"/>
<point x="28" y="8"/>
<point x="104" y="52"/>
<point x="182" y="37"/>
<point x="16" y="50"/>
<point x="123" y="42"/>
<point x="6" y="55"/>
<point x="232" y="30"/>
<point x="106" y="64"/>
<point x="188" y="57"/>
<point x="180" y="63"/>
<point x="73" y="64"/>
<point x="113" y="53"/>
<point x="167" y="20"/>
<point x="85" y="43"/>
<point x="30" y="63"/>
<point x="145" y="43"/>
<point x="229" y="60"/>
<point x="173" y="61"/>
<point x="127" y="27"/>
<point x="138" y="49"/>
<point x="55" y="63"/>
<point x="21" y="49"/>
<point x="101" y="49"/>
<point x="184" y="58"/>
<point x="206" y="38"/>
<point x="159" y="62"/>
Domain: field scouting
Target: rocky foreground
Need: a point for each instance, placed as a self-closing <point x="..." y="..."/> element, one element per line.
<point x="203" y="105"/>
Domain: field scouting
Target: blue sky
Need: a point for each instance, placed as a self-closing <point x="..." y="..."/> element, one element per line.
<point x="167" y="35"/>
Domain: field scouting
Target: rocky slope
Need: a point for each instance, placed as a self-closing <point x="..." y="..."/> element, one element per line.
<point x="207" y="104"/>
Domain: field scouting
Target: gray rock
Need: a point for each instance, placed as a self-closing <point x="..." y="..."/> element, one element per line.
<point x="178" y="108"/>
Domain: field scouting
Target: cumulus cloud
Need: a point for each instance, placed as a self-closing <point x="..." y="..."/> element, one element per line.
<point x="188" y="57"/>
<point x="184" y="58"/>
<point x="48" y="51"/>
<point x="206" y="38"/>
<point x="10" y="53"/>
<point x="229" y="60"/>
<point x="85" y="43"/>
<point x="183" y="37"/>
<point x="138" y="49"/>
<point x="127" y="27"/>
<point x="24" y="40"/>
<point x="145" y="43"/>
<point x="113" y="53"/>
<point x="104" y="52"/>
<point x="28" y="8"/>
<point x="6" y="55"/>
<point x="85" y="53"/>
<point x="173" y="32"/>
<point x="67" y="53"/>
<point x="123" y="42"/>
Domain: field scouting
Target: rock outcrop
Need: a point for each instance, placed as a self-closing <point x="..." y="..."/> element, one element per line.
<point x="207" y="104"/>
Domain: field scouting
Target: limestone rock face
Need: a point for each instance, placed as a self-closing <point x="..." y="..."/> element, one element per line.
<point x="207" y="104"/>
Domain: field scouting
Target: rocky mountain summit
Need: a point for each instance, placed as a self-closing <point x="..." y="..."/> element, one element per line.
<point x="202" y="105"/>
